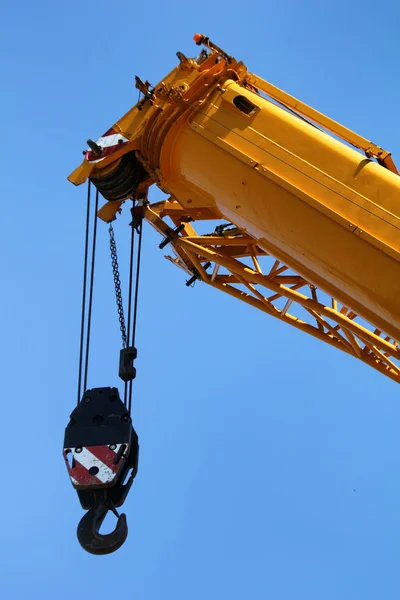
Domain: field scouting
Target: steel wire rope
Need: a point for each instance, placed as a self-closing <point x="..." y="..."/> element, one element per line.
<point x="84" y="285"/>
<point x="135" y="306"/>
<point x="131" y="256"/>
<point x="89" y="320"/>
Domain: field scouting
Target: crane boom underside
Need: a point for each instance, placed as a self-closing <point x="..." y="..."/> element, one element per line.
<point x="239" y="266"/>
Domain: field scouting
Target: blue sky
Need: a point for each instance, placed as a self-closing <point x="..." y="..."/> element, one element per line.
<point x="269" y="463"/>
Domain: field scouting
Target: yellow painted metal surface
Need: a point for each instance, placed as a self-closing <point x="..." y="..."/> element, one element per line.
<point x="310" y="200"/>
<point x="211" y="137"/>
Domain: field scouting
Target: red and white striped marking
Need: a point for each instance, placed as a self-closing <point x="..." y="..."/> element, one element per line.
<point x="98" y="458"/>
<point x="110" y="141"/>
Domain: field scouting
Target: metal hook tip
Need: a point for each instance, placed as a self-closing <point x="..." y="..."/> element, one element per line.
<point x="94" y="542"/>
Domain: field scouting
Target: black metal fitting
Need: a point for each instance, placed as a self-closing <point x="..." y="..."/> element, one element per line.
<point x="219" y="230"/>
<point x="95" y="148"/>
<point x="182" y="58"/>
<point x="127" y="371"/>
<point x="197" y="275"/>
<point x="143" y="87"/>
<point x="171" y="235"/>
<point x="137" y="213"/>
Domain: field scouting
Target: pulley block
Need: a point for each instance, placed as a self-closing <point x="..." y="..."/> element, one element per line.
<point x="101" y="446"/>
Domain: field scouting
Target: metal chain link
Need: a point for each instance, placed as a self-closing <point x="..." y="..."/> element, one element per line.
<point x="117" y="282"/>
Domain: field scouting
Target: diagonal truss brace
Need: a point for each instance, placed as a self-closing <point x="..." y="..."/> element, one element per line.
<point x="240" y="268"/>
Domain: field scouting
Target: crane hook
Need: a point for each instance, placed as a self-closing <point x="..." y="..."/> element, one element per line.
<point x="88" y="529"/>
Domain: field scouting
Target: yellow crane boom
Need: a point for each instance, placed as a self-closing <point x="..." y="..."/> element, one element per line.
<point x="311" y="209"/>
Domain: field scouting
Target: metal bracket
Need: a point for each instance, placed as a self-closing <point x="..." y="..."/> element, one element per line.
<point x="383" y="157"/>
<point x="170" y="236"/>
<point x="197" y="275"/>
<point x="127" y="371"/>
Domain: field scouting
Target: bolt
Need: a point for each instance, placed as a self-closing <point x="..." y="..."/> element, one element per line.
<point x="87" y="399"/>
<point x="112" y="446"/>
<point x="93" y="470"/>
<point x="78" y="450"/>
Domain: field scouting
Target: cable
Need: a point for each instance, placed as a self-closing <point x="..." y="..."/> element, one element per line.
<point x="135" y="305"/>
<point x="84" y="292"/>
<point x="130" y="300"/>
<point x="93" y="257"/>
<point x="137" y="285"/>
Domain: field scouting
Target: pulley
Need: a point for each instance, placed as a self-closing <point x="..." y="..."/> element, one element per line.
<point x="120" y="180"/>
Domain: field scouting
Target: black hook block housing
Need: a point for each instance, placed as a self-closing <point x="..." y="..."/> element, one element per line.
<point x="100" y="418"/>
<point x="101" y="448"/>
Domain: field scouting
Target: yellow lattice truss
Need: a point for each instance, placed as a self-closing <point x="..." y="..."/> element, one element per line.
<point x="232" y="262"/>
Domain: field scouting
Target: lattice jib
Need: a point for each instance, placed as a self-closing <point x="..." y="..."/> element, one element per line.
<point x="240" y="268"/>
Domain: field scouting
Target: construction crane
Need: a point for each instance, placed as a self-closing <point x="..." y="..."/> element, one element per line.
<point x="308" y="227"/>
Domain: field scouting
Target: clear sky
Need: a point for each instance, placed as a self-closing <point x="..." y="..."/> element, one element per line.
<point x="269" y="463"/>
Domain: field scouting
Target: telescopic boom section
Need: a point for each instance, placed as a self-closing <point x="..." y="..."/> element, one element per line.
<point x="311" y="209"/>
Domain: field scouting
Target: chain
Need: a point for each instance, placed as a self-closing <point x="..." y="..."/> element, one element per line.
<point x="117" y="282"/>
